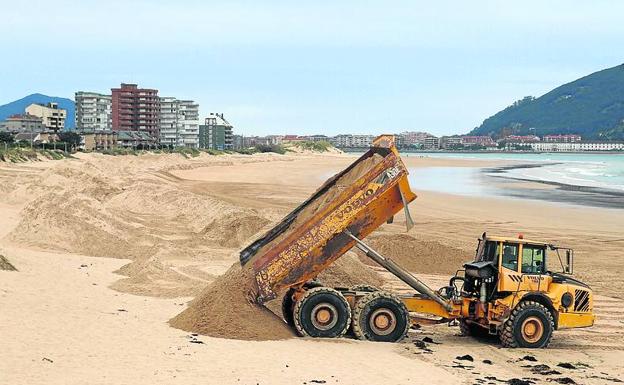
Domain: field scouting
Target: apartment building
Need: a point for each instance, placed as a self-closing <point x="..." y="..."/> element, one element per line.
<point x="135" y="109"/>
<point x="52" y="117"/>
<point x="412" y="138"/>
<point x="216" y="133"/>
<point x="431" y="143"/>
<point x="22" y="123"/>
<point x="168" y="122"/>
<point x="571" y="146"/>
<point x="562" y="138"/>
<point x="451" y="142"/>
<point x="486" y="141"/>
<point x="179" y="123"/>
<point x="352" y="141"/>
<point x="93" y="111"/>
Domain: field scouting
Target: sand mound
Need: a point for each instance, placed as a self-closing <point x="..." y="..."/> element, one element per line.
<point x="154" y="278"/>
<point x="348" y="271"/>
<point x="234" y="229"/>
<point x="225" y="309"/>
<point x="5" y="264"/>
<point x="421" y="256"/>
<point x="78" y="223"/>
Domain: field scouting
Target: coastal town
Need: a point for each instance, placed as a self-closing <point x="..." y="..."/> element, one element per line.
<point x="138" y="118"/>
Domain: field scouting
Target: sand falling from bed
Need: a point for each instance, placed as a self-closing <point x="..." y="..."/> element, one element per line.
<point x="226" y="307"/>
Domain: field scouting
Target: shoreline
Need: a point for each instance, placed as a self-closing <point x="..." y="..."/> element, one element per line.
<point x="560" y="192"/>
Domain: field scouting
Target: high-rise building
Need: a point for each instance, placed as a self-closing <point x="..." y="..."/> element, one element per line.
<point x="168" y="122"/>
<point x="53" y="117"/>
<point x="93" y="111"/>
<point x="179" y="123"/>
<point x="188" y="122"/>
<point x="135" y="109"/>
<point x="216" y="133"/>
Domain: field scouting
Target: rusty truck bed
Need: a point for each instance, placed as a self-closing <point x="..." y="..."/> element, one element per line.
<point x="311" y="246"/>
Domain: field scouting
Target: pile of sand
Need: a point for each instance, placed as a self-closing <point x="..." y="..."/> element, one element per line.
<point x="417" y="255"/>
<point x="232" y="230"/>
<point x="348" y="271"/>
<point x="225" y="309"/>
<point x="155" y="278"/>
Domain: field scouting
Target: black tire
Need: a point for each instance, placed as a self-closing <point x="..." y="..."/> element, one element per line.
<point x="364" y="287"/>
<point x="382" y="306"/>
<point x="287" y="308"/>
<point x="514" y="333"/>
<point x="318" y="302"/>
<point x="469" y="329"/>
<point x="312" y="284"/>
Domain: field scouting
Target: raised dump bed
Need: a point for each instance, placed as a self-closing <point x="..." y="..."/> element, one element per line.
<point x="359" y="199"/>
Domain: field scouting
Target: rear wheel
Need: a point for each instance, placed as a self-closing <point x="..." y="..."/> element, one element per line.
<point x="322" y="312"/>
<point x="380" y="316"/>
<point x="530" y="326"/>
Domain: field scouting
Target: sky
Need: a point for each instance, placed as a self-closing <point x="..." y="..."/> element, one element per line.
<point x="317" y="67"/>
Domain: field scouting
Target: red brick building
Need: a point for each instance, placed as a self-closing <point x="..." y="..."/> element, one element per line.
<point x="135" y="109"/>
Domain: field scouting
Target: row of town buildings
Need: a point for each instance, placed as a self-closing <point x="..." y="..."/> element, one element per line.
<point x="425" y="141"/>
<point x="167" y="121"/>
<point x="428" y="142"/>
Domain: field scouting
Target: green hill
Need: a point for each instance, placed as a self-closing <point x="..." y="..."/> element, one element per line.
<point x="592" y="106"/>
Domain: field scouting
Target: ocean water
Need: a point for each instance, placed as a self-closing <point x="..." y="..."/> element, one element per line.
<point x="605" y="171"/>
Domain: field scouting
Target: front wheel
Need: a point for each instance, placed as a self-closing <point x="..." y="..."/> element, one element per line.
<point x="530" y="326"/>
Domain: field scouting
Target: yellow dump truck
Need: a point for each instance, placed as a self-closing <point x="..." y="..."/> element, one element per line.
<point x="506" y="291"/>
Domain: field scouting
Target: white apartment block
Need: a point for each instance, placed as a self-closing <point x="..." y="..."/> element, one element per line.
<point x="352" y="141"/>
<point x="179" y="123"/>
<point x="52" y="117"/>
<point x="169" y="121"/>
<point x="188" y="121"/>
<point x="571" y="147"/>
<point x="93" y="111"/>
<point x="432" y="143"/>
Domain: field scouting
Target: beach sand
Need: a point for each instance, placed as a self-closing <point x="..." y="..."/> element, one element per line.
<point x="108" y="249"/>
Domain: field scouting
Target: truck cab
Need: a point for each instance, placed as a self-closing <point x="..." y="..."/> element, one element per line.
<point x="508" y="272"/>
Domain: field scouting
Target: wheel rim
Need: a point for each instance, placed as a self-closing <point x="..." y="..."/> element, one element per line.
<point x="324" y="316"/>
<point x="532" y="329"/>
<point x="382" y="322"/>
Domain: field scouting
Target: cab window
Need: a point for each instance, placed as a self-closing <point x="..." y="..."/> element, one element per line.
<point x="510" y="256"/>
<point x="490" y="252"/>
<point x="533" y="259"/>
